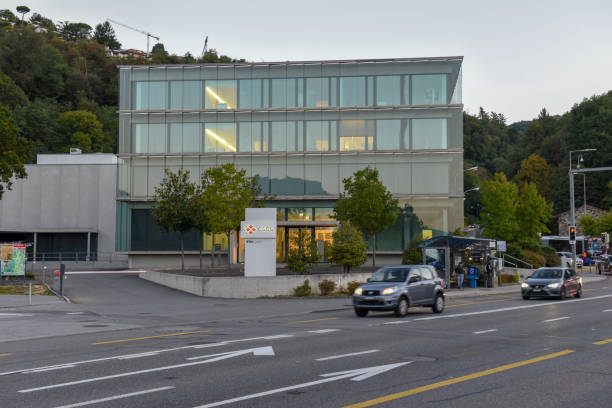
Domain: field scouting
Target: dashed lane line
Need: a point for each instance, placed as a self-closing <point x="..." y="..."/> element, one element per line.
<point x="116" y="397"/>
<point x="347" y="355"/>
<point x="602" y="342"/>
<point x="314" y="320"/>
<point x="484" y="331"/>
<point x="150" y="337"/>
<point x="555" y="319"/>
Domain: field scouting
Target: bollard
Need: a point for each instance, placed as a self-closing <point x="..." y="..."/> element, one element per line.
<point x="62" y="272"/>
<point x="30" y="294"/>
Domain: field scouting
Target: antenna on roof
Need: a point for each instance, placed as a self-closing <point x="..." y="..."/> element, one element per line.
<point x="205" y="50"/>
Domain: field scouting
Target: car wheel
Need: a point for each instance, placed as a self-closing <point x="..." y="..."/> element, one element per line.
<point x="401" y="309"/>
<point x="361" y="312"/>
<point x="562" y="294"/>
<point x="526" y="297"/>
<point x="578" y="292"/>
<point x="438" y="305"/>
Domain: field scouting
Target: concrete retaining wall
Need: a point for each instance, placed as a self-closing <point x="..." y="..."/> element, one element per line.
<point x="252" y="287"/>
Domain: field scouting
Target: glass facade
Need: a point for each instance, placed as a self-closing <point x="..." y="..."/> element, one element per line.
<point x="302" y="128"/>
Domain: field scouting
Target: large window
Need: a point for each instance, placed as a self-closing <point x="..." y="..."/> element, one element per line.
<point x="317" y="92"/>
<point x="282" y="135"/>
<point x="388" y="90"/>
<point x="388" y="134"/>
<point x="220" y="137"/>
<point x="429" y="134"/>
<point x="356" y="135"/>
<point x="185" y="95"/>
<point x="283" y="93"/>
<point x="317" y="136"/>
<point x="352" y="91"/>
<point x="150" y="138"/>
<point x="251" y="138"/>
<point x="250" y="93"/>
<point x="185" y="137"/>
<point x="429" y="89"/>
<point x="220" y="94"/>
<point x="151" y="95"/>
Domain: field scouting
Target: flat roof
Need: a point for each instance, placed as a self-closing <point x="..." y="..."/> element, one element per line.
<point x="80" y="158"/>
<point x="348" y="61"/>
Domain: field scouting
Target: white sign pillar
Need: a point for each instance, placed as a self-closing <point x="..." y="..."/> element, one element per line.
<point x="259" y="233"/>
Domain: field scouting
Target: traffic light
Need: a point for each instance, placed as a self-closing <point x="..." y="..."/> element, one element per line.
<point x="572" y="233"/>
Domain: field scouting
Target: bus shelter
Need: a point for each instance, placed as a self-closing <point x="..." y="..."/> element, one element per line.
<point x="445" y="252"/>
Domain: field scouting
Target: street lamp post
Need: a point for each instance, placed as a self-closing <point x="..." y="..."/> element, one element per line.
<point x="572" y="208"/>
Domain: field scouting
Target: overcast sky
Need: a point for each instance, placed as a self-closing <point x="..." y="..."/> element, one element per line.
<point x="519" y="56"/>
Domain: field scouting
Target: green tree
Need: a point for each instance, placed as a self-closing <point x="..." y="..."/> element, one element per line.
<point x="348" y="248"/>
<point x="43" y="22"/>
<point x="226" y="192"/>
<point x="74" y="31"/>
<point x="105" y="34"/>
<point x="534" y="169"/>
<point x="23" y="10"/>
<point x="7" y="18"/>
<point x="82" y="129"/>
<point x="366" y="204"/>
<point x="589" y="225"/>
<point x="11" y="161"/>
<point x="175" y="205"/>
<point x="532" y="214"/>
<point x="413" y="255"/>
<point x="605" y="222"/>
<point x="302" y="255"/>
<point x="10" y="94"/>
<point x="499" y="200"/>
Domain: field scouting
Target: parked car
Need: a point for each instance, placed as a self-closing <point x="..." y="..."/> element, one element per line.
<point x="555" y="282"/>
<point x="399" y="287"/>
<point x="567" y="260"/>
<point x="603" y="264"/>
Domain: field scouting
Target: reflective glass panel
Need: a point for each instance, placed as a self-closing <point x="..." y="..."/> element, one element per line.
<point x="429" y="89"/>
<point x="352" y="91"/>
<point x="429" y="134"/>
<point x="356" y="135"/>
<point x="157" y="137"/>
<point x="324" y="214"/>
<point x="250" y="93"/>
<point x="249" y="137"/>
<point x="283" y="136"/>
<point x="186" y="95"/>
<point x="317" y="136"/>
<point x="317" y="92"/>
<point x="192" y="137"/>
<point x="140" y="138"/>
<point x="158" y="95"/>
<point x="141" y="96"/>
<point x="220" y="94"/>
<point x="388" y="90"/>
<point x="220" y="137"/>
<point x="283" y="93"/>
<point x="388" y="134"/>
<point x="299" y="214"/>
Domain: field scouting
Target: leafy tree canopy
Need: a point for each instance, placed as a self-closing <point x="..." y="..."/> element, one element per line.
<point x="105" y="35"/>
<point x="499" y="198"/>
<point x="11" y="161"/>
<point x="82" y="129"/>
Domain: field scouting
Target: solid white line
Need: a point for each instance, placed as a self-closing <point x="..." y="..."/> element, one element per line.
<point x="102" y="272"/>
<point x="485" y="331"/>
<point x="42" y="370"/>
<point x="608" y="310"/>
<point x="131" y="394"/>
<point x="397" y="322"/>
<point x="13" y="314"/>
<point x="322" y="331"/>
<point x="506" y="309"/>
<point x="555" y="319"/>
<point x="347" y="355"/>
<point x="75" y="313"/>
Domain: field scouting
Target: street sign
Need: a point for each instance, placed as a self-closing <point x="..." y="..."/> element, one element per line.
<point x="501" y="246"/>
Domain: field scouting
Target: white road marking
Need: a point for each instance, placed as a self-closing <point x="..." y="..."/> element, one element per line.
<point x="555" y="319"/>
<point x="131" y="356"/>
<point x="215" y="357"/>
<point x="507" y="309"/>
<point x="397" y="322"/>
<point x="116" y="397"/>
<point x="104" y="272"/>
<point x="322" y="331"/>
<point x="608" y="310"/>
<point x="260" y="351"/>
<point x="57" y="367"/>
<point x="347" y="355"/>
<point x="355" y="375"/>
<point x="485" y="331"/>
<point x="75" y="313"/>
<point x="14" y="315"/>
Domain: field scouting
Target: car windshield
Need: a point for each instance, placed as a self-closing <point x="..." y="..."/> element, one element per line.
<point x="547" y="274"/>
<point x="389" y="275"/>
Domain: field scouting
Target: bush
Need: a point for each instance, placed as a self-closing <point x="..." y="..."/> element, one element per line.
<point x="537" y="260"/>
<point x="29" y="275"/>
<point x="513" y="249"/>
<point x="303" y="254"/>
<point x="550" y="254"/>
<point x="303" y="290"/>
<point x="351" y="286"/>
<point x="509" y="278"/>
<point x="413" y="255"/>
<point x="326" y="287"/>
<point x="348" y="248"/>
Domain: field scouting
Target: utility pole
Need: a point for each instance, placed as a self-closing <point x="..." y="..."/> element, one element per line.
<point x="149" y="35"/>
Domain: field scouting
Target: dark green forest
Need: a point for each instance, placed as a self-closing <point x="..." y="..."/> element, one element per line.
<point x="59" y="89"/>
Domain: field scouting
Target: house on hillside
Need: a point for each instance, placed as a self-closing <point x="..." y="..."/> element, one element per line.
<point x="563" y="219"/>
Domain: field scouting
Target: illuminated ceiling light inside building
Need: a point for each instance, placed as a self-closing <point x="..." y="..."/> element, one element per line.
<point x="217" y="97"/>
<point x="220" y="139"/>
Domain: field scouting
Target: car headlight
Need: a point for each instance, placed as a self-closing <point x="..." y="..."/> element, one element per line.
<point x="554" y="285"/>
<point x="524" y="285"/>
<point x="388" y="291"/>
<point x="358" y="291"/>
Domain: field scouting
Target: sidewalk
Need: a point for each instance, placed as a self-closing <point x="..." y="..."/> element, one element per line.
<point x="12" y="301"/>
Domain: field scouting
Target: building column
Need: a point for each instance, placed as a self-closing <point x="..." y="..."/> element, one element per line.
<point x="88" y="246"/>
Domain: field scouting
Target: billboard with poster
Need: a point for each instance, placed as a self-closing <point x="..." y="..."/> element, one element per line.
<point x="12" y="259"/>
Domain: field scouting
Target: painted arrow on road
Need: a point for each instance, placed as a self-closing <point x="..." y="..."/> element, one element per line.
<point x="355" y="375"/>
<point x="259" y="351"/>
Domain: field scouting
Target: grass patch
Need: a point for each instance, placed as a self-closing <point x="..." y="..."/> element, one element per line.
<point x="23" y="290"/>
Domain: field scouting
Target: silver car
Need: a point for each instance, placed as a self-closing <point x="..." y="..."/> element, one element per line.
<point x="399" y="287"/>
<point x="552" y="282"/>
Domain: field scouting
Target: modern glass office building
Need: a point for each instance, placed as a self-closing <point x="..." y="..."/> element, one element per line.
<point x="302" y="127"/>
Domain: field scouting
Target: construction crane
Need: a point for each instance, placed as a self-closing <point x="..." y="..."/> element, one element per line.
<point x="205" y="50"/>
<point x="138" y="31"/>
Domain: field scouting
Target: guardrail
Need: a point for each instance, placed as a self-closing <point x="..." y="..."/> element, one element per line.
<point x="515" y="259"/>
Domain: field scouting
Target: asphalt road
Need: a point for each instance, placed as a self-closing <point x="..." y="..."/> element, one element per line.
<point x="162" y="348"/>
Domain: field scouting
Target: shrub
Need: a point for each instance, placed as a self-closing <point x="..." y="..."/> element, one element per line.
<point x="509" y="278"/>
<point x="348" y="248"/>
<point x="29" y="275"/>
<point x="537" y="260"/>
<point x="413" y="255"/>
<point x="303" y="290"/>
<point x="326" y="287"/>
<point x="351" y="286"/>
<point x="552" y="259"/>
<point x="303" y="254"/>
<point x="513" y="249"/>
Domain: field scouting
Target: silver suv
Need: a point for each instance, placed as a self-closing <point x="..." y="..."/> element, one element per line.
<point x="399" y="287"/>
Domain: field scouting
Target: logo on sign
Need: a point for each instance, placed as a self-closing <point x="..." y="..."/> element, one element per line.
<point x="250" y="229"/>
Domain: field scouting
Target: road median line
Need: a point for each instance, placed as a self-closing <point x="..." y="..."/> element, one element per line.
<point x="602" y="342"/>
<point x="314" y="320"/>
<point x="429" y="387"/>
<point x="150" y="337"/>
